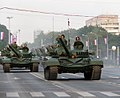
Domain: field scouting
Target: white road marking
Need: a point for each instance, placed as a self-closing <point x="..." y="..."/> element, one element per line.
<point x="110" y="94"/>
<point x="61" y="94"/>
<point x="4" y="81"/>
<point x="63" y="77"/>
<point x="16" y="78"/>
<point x="12" y="94"/>
<point x="82" y="93"/>
<point x="77" y="75"/>
<point x="37" y="94"/>
<point x="115" y="77"/>
<point x="85" y="94"/>
<point x="38" y="76"/>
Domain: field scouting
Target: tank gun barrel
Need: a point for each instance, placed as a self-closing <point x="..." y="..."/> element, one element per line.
<point x="65" y="48"/>
<point x="16" y="53"/>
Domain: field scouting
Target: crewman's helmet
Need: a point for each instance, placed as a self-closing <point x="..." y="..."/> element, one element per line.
<point x="63" y="35"/>
<point x="77" y="38"/>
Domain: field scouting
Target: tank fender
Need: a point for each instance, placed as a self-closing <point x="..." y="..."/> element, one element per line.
<point x="35" y="59"/>
<point x="6" y="60"/>
<point x="51" y="62"/>
<point x="96" y="62"/>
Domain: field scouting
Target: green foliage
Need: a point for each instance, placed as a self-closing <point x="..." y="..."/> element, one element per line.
<point x="114" y="40"/>
<point x="93" y="32"/>
<point x="3" y="42"/>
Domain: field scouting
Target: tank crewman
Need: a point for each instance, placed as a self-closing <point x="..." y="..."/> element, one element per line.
<point x="20" y="47"/>
<point x="59" y="49"/>
<point x="14" y="45"/>
<point x="58" y="43"/>
<point x="63" y="38"/>
<point x="78" y="44"/>
<point x="25" y="48"/>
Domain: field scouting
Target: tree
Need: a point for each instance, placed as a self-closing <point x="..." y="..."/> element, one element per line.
<point x="101" y="33"/>
<point x="4" y="42"/>
<point x="92" y="32"/>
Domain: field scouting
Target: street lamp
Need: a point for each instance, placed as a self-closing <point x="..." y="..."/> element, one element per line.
<point x="114" y="48"/>
<point x="9" y="29"/>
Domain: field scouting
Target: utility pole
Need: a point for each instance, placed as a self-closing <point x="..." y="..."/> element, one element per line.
<point x="53" y="31"/>
<point x="87" y="42"/>
<point x="114" y="57"/>
<point x="97" y="47"/>
<point x="118" y="56"/>
<point x="19" y="36"/>
<point x="96" y="43"/>
<point x="68" y="33"/>
<point x="107" y="48"/>
<point x="9" y="18"/>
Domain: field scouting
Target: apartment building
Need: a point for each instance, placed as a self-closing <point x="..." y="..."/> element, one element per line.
<point x="108" y="22"/>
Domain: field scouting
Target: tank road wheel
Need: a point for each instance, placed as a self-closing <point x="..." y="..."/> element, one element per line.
<point x="34" y="67"/>
<point x="50" y="73"/>
<point x="96" y="73"/>
<point x="87" y="75"/>
<point x="93" y="74"/>
<point x="6" y="68"/>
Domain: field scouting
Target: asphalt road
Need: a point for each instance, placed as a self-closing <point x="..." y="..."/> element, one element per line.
<point x="25" y="84"/>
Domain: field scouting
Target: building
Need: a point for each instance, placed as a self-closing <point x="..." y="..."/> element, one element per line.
<point x="108" y="22"/>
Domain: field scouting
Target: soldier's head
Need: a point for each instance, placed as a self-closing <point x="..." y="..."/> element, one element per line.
<point x="62" y="36"/>
<point x="77" y="38"/>
<point x="25" y="44"/>
<point x="14" y="42"/>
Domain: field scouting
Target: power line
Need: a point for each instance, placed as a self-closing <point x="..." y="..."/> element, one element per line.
<point x="36" y="11"/>
<point x="49" y="13"/>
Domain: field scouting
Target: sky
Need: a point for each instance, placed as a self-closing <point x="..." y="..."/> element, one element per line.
<point x="28" y="22"/>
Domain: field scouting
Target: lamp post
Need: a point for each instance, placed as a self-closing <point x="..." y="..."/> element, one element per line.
<point x="97" y="47"/>
<point x="53" y="31"/>
<point x="107" y="21"/>
<point x="118" y="56"/>
<point x="9" y="29"/>
<point x="107" y="48"/>
<point x="87" y="44"/>
<point x="69" y="33"/>
<point x="19" y="36"/>
<point x="96" y="43"/>
<point x="114" y="48"/>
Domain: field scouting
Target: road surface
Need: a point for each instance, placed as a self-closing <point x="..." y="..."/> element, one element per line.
<point x="25" y="84"/>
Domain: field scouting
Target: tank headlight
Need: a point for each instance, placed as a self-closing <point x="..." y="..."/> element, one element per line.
<point x="73" y="56"/>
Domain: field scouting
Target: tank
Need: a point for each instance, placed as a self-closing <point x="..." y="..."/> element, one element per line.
<point x="64" y="60"/>
<point x="15" y="58"/>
